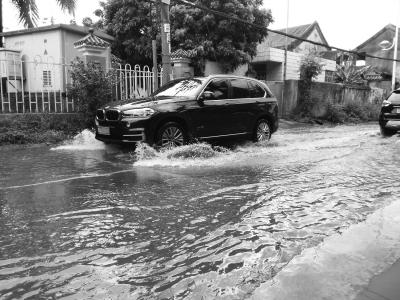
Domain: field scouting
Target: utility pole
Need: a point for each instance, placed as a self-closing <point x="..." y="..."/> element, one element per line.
<point x="1" y="23"/>
<point x="165" y="41"/>
<point x="154" y="50"/>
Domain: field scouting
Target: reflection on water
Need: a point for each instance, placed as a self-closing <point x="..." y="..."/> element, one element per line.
<point x="84" y="220"/>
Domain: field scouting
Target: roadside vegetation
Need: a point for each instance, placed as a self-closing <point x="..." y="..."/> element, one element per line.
<point x="39" y="128"/>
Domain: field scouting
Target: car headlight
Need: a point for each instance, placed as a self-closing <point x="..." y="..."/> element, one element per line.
<point x="386" y="103"/>
<point x="140" y="113"/>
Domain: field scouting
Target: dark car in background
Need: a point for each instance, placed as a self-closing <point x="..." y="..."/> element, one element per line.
<point x="201" y="108"/>
<point x="389" y="117"/>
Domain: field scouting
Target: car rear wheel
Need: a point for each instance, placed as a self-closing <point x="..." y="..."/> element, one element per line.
<point x="262" y="132"/>
<point x="171" y="135"/>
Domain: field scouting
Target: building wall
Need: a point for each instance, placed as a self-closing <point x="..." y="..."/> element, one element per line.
<point x="212" y="67"/>
<point x="37" y="44"/>
<point x="269" y="55"/>
<point x="70" y="53"/>
<point x="41" y="53"/>
<point x="305" y="47"/>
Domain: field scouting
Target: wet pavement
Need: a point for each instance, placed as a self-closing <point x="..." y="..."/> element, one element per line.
<point x="89" y="221"/>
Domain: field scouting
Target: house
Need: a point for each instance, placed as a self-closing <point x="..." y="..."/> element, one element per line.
<point x="268" y="64"/>
<point x="43" y="53"/>
<point x="381" y="67"/>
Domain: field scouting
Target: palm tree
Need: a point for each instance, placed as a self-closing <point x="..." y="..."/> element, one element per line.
<point x="29" y="13"/>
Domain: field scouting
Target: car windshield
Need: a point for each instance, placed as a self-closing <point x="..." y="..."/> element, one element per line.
<point x="180" y="88"/>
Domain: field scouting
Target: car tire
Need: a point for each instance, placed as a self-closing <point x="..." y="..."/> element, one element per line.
<point x="171" y="135"/>
<point x="262" y="131"/>
<point x="386" y="132"/>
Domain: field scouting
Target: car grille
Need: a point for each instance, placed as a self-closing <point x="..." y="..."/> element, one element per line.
<point x="112" y="115"/>
<point x="100" y="114"/>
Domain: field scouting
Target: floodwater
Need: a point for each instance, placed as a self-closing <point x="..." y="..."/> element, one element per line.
<point x="89" y="221"/>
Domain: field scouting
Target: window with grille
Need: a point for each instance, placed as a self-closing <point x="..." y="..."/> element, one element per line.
<point x="46" y="78"/>
<point x="329" y="76"/>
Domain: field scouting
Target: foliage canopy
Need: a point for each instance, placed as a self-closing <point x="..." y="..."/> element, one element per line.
<point x="134" y="23"/>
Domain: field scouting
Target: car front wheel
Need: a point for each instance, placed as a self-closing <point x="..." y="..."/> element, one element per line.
<point x="262" y="132"/>
<point x="171" y="135"/>
<point x="387" y="132"/>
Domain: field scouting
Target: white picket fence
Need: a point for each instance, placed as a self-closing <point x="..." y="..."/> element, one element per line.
<point x="41" y="85"/>
<point x="135" y="82"/>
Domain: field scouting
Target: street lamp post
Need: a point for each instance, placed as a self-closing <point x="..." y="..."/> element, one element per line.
<point x="384" y="45"/>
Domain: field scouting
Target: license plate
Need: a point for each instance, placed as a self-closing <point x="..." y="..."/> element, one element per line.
<point x="397" y="111"/>
<point x="103" y="130"/>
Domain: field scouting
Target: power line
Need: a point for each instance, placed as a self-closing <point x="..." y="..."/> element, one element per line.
<point x="224" y="15"/>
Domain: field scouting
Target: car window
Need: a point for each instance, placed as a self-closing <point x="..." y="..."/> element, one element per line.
<point x="240" y="88"/>
<point x="256" y="91"/>
<point x="179" y="88"/>
<point x="219" y="87"/>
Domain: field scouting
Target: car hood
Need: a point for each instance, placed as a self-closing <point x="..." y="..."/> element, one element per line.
<point x="144" y="103"/>
<point x="395" y="101"/>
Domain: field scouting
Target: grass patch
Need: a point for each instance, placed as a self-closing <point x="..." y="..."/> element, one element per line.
<point x="39" y="128"/>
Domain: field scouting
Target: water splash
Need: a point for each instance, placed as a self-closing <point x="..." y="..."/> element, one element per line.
<point x="82" y="141"/>
<point x="188" y="155"/>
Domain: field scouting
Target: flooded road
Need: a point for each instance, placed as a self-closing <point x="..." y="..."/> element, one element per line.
<point x="89" y="221"/>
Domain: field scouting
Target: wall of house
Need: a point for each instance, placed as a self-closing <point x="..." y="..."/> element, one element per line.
<point x="41" y="53"/>
<point x="305" y="47"/>
<point x="42" y="45"/>
<point x="266" y="56"/>
<point x="373" y="48"/>
<point x="69" y="52"/>
<point x="212" y="67"/>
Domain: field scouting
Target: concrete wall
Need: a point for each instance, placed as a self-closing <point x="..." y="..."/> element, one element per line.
<point x="287" y="95"/>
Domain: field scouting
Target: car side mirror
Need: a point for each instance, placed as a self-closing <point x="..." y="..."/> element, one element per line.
<point x="206" y="95"/>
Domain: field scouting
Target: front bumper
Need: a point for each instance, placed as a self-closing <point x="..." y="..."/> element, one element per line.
<point x="122" y="131"/>
<point x="390" y="113"/>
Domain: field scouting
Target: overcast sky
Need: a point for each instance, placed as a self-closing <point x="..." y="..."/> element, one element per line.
<point x="344" y="23"/>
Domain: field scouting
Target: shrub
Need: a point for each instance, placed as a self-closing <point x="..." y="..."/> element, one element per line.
<point x="91" y="88"/>
<point x="335" y="113"/>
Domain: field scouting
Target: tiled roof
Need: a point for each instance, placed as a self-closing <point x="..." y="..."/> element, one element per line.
<point x="276" y="40"/>
<point x="373" y="76"/>
<point x="92" y="40"/>
<point x="180" y="53"/>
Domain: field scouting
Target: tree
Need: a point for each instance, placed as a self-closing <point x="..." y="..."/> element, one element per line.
<point x="87" y="22"/>
<point x="133" y="23"/>
<point x="29" y="13"/>
<point x="310" y="68"/>
<point x="216" y="38"/>
<point x="91" y="88"/>
<point x="231" y="43"/>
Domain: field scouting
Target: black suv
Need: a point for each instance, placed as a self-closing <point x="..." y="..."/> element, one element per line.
<point x="390" y="112"/>
<point x="198" y="108"/>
